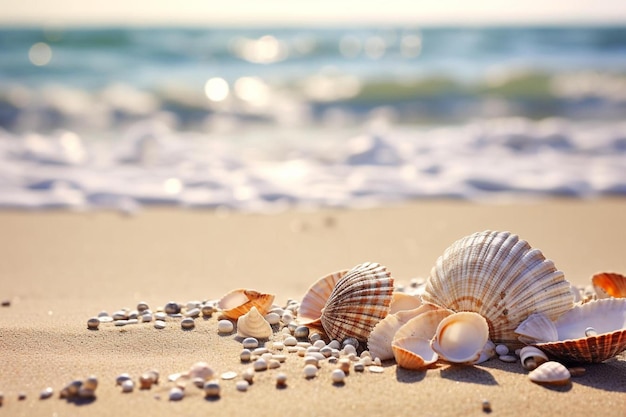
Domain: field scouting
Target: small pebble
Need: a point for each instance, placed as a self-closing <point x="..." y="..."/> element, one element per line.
<point x="160" y="316"/>
<point x="307" y="345"/>
<point x="366" y="353"/>
<point x="377" y="361"/>
<point x="103" y="314"/>
<point x="319" y="344"/>
<point x="172" y="308"/>
<point x="207" y="311"/>
<point x="1" y="397"/>
<point x="273" y="364"/>
<point x="121" y="378"/>
<point x="245" y="355"/>
<point x="334" y="344"/>
<point x="272" y="318"/>
<point x="212" y="388"/>
<point x="105" y="319"/>
<point x="21" y="396"/>
<point x="93" y="323"/>
<point x="145" y="381"/>
<point x="359" y="367"/>
<point x="229" y="375"/>
<point x="91" y="383"/>
<point x="260" y="351"/>
<point x="287" y="317"/>
<point x="250" y="343"/>
<point x="577" y="371"/>
<point x="187" y="323"/>
<point x="260" y="365"/>
<point x="6" y="303"/>
<point x="350" y="341"/>
<point x="146" y="317"/>
<point x="310" y="360"/>
<point x="176" y="394"/>
<point x="242" y="386"/>
<point x="502" y="350"/>
<point x="314" y="337"/>
<point x="142" y="306"/>
<point x="159" y="324"/>
<point x="225" y="326"/>
<point x="46" y="393"/>
<point x="248" y="375"/>
<point x="338" y="376"/>
<point x="366" y="360"/>
<point x="376" y="369"/>
<point x="301" y="331"/>
<point x="120" y="315"/>
<point x="310" y="371"/>
<point x="198" y="382"/>
<point x="133" y="314"/>
<point x="278" y="345"/>
<point x="333" y="360"/>
<point x="280" y="358"/>
<point x="120" y="323"/>
<point x="86" y="393"/>
<point x="281" y="380"/>
<point x="194" y="312"/>
<point x="590" y="331"/>
<point x="348" y="349"/>
<point x="508" y="358"/>
<point x="128" y="385"/>
<point x="486" y="406"/>
<point x="326" y="351"/>
<point x="132" y="321"/>
<point x="290" y="341"/>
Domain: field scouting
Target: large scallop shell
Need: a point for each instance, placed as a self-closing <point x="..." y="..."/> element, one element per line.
<point x="609" y="284"/>
<point x="537" y="328"/>
<point x="252" y="324"/>
<point x="358" y="302"/>
<point x="403" y="301"/>
<point x="590" y="333"/>
<point x="314" y="300"/>
<point x="502" y="278"/>
<point x="413" y="353"/>
<point x="379" y="340"/>
<point x="461" y="337"/>
<point x="238" y="302"/>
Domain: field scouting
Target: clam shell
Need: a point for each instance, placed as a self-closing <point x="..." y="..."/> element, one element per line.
<point x="461" y="337"/>
<point x="413" y="353"/>
<point x="550" y="373"/>
<point x="609" y="284"/>
<point x="252" y="324"/>
<point x="607" y="317"/>
<point x="358" y="302"/>
<point x="537" y="328"/>
<point x="379" y="340"/>
<point x="314" y="300"/>
<point x="424" y="326"/>
<point x="402" y="301"/>
<point x="238" y="302"/>
<point x="502" y="278"/>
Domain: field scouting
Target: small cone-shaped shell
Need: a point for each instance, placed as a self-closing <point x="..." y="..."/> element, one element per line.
<point x="252" y="324"/>
<point x="537" y="328"/>
<point x="401" y="301"/>
<point x="531" y="357"/>
<point x="461" y="337"/>
<point x="550" y="373"/>
<point x="314" y="301"/>
<point x="238" y="302"/>
<point x="424" y="326"/>
<point x="379" y="340"/>
<point x="590" y="333"/>
<point x="488" y="352"/>
<point x="358" y="302"/>
<point x="413" y="353"/>
<point x="609" y="284"/>
<point x="502" y="278"/>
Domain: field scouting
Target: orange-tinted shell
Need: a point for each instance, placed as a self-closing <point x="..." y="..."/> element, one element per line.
<point x="402" y="301"/>
<point x="314" y="301"/>
<point x="609" y="284"/>
<point x="238" y="302"/>
<point x="413" y="353"/>
<point x="358" y="302"/>
<point x="606" y="317"/>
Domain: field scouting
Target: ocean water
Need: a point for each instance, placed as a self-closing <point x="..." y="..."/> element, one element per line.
<point x="261" y="119"/>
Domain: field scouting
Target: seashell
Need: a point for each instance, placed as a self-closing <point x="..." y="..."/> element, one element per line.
<point x="413" y="353"/>
<point x="576" y="344"/>
<point x="314" y="300"/>
<point x="198" y="370"/>
<point x="424" y="326"/>
<point x="252" y="324"/>
<point x="537" y="328"/>
<point x="402" y="301"/>
<point x="461" y="337"/>
<point x="379" y="340"/>
<point x="550" y="373"/>
<point x="238" y="302"/>
<point x="531" y="357"/>
<point x="488" y="352"/>
<point x="502" y="278"/>
<point x="609" y="284"/>
<point x="358" y="302"/>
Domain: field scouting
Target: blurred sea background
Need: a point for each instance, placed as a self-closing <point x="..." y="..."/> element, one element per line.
<point x="261" y="118"/>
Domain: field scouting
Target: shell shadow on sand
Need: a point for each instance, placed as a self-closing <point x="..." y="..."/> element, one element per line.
<point x="470" y="374"/>
<point x="606" y="376"/>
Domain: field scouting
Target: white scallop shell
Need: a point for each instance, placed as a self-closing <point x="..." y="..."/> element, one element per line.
<point x="550" y="373"/>
<point x="461" y="337"/>
<point x="424" y="326"/>
<point x="252" y="324"/>
<point x="403" y="301"/>
<point x="537" y="328"/>
<point x="238" y="302"/>
<point x="314" y="300"/>
<point x="413" y="353"/>
<point x="501" y="277"/>
<point x="379" y="340"/>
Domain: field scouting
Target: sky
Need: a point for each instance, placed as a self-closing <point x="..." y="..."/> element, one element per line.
<point x="318" y="12"/>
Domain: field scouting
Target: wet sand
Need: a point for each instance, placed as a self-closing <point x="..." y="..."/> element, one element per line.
<point x="59" y="268"/>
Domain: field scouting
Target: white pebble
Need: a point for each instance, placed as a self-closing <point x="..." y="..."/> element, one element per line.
<point x="366" y="360"/>
<point x="273" y="364"/>
<point x="212" y="389"/>
<point x="120" y="323"/>
<point x="93" y="323"/>
<point x="502" y="350"/>
<point x="287" y="317"/>
<point x="310" y="371"/>
<point x="376" y="369"/>
<point x="225" y="326"/>
<point x="248" y="375"/>
<point x="260" y="365"/>
<point x="338" y="376"/>
<point x="310" y="360"/>
<point x="319" y="344"/>
<point x="128" y="385"/>
<point x="194" y="312"/>
<point x="278" y="345"/>
<point x="290" y="341"/>
<point x="507" y="358"/>
<point x="176" y="394"/>
<point x="250" y="343"/>
<point x="279" y="358"/>
<point x="348" y="349"/>
<point x="146" y="317"/>
<point x="242" y="386"/>
<point x="46" y="393"/>
<point x="272" y="318"/>
<point x="159" y="324"/>
<point x="229" y="375"/>
<point x="334" y="344"/>
<point x="187" y="323"/>
<point x="121" y="378"/>
<point x="245" y="355"/>
<point x="160" y="316"/>
<point x="260" y="351"/>
<point x="301" y="331"/>
<point x="281" y="380"/>
<point x="314" y="337"/>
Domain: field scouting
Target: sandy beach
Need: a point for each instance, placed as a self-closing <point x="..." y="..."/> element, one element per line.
<point x="60" y="268"/>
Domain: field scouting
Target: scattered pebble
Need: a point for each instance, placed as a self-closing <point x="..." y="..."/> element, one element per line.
<point x="502" y="350"/>
<point x="260" y="365"/>
<point x="359" y="367"/>
<point x="590" y="331"/>
<point x="242" y="386"/>
<point x="290" y="341"/>
<point x="310" y="371"/>
<point x="142" y="306"/>
<point x="376" y="369"/>
<point x="193" y="313"/>
<point x="314" y="337"/>
<point x="176" y="394"/>
<point x="508" y="358"/>
<point x="486" y="406"/>
<point x="301" y="331"/>
<point x="160" y="316"/>
<point x="225" y="326"/>
<point x="245" y="355"/>
<point x="198" y="382"/>
<point x="172" y="308"/>
<point x="159" y="324"/>
<point x="187" y="323"/>
<point x="46" y="393"/>
<point x="334" y="344"/>
<point x="121" y="378"/>
<point x="212" y="389"/>
<point x="93" y="323"/>
<point x="338" y="376"/>
<point x="229" y="375"/>
<point x="207" y="311"/>
<point x="128" y="385"/>
<point x="278" y="345"/>
<point x="250" y="343"/>
<point x="248" y="375"/>
<point x="272" y="318"/>
<point x="90" y="383"/>
<point x="281" y="380"/>
<point x="319" y="344"/>
<point x="21" y="396"/>
<point x="6" y="303"/>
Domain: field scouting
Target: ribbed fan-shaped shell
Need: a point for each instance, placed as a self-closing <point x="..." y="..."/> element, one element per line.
<point x="402" y="301"/>
<point x="358" y="302"/>
<point x="461" y="337"/>
<point x="424" y="326"/>
<point x="606" y="318"/>
<point x="609" y="284"/>
<point x="379" y="340"/>
<point x="537" y="328"/>
<point x="413" y="353"/>
<point x="550" y="373"/>
<point x="314" y="300"/>
<point x="502" y="278"/>
<point x="252" y="324"/>
<point x="238" y="302"/>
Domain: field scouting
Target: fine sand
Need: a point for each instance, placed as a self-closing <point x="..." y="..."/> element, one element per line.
<point x="59" y="268"/>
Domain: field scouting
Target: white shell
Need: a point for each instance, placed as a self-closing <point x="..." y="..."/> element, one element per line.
<point x="401" y="301"/>
<point x="379" y="341"/>
<point x="199" y="370"/>
<point x="461" y="337"/>
<point x="531" y="357"/>
<point x="425" y="325"/>
<point x="252" y="324"/>
<point x="238" y="302"/>
<point x="502" y="278"/>
<point x="551" y="373"/>
<point x="537" y="328"/>
<point x="413" y="353"/>
<point x="488" y="352"/>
